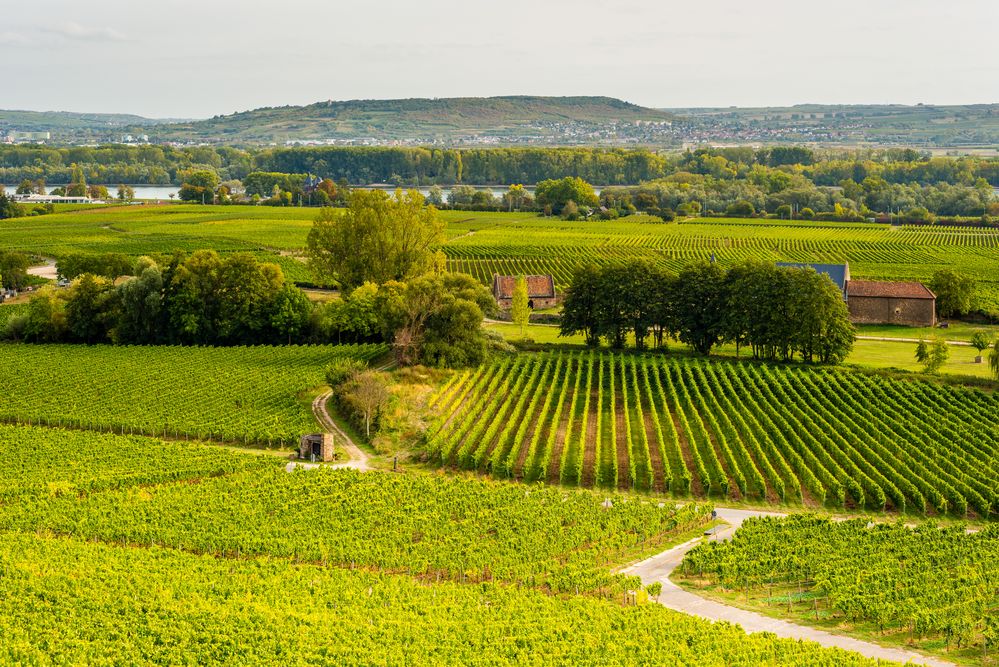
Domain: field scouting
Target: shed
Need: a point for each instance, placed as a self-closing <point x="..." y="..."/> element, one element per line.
<point x="316" y="447"/>
<point x="907" y="303"/>
<point x="540" y="291"/>
<point x="838" y="273"/>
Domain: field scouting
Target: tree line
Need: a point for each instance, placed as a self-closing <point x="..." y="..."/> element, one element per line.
<point x="161" y="165"/>
<point x="778" y="313"/>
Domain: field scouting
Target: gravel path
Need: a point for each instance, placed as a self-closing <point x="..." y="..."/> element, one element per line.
<point x="660" y="567"/>
<point x="358" y="457"/>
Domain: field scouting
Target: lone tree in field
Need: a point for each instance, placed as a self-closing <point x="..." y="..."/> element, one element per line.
<point x="378" y="238"/>
<point x="367" y="393"/>
<point x="520" y="309"/>
<point x="932" y="355"/>
<point x="980" y="341"/>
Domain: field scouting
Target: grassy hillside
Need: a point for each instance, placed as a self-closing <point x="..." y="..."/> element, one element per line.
<point x="428" y="119"/>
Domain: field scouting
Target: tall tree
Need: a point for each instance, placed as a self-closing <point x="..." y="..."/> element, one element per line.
<point x="700" y="306"/>
<point x="520" y="310"/>
<point x="377" y="238"/>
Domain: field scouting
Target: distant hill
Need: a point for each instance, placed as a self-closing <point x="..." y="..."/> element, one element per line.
<point x="70" y="126"/>
<point x="450" y="120"/>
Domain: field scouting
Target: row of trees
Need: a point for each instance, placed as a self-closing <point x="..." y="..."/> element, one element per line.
<point x="160" y="165"/>
<point x="203" y="299"/>
<point x="776" y="312"/>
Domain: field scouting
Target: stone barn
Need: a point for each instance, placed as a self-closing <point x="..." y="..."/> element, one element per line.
<point x="911" y="304"/>
<point x="540" y="291"/>
<point x="316" y="447"/>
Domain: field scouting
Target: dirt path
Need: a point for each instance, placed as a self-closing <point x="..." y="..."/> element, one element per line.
<point x="660" y="567"/>
<point x="358" y="457"/>
<point x="46" y="270"/>
<point x="891" y="339"/>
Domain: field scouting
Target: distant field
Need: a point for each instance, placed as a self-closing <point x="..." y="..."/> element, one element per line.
<point x="238" y="394"/>
<point x="722" y="429"/>
<point x="482" y="244"/>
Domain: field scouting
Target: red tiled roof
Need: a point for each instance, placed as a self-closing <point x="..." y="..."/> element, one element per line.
<point x="537" y="286"/>
<point x="871" y="288"/>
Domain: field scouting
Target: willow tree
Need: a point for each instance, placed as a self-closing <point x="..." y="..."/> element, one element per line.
<point x="377" y="238"/>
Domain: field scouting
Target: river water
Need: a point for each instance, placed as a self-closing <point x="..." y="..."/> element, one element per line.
<point x="163" y="192"/>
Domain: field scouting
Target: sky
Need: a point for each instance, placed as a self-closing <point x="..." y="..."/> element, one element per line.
<point x="200" y="58"/>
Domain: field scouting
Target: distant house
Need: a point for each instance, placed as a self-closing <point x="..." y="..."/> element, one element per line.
<point x="838" y="273"/>
<point x="53" y="199"/>
<point x="911" y="304"/>
<point x="540" y="291"/>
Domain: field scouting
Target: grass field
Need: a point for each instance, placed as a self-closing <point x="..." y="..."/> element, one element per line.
<point x="731" y="430"/>
<point x="865" y="353"/>
<point x="484" y="243"/>
<point x="249" y="395"/>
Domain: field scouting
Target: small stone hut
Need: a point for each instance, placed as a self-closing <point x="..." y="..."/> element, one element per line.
<point x="911" y="304"/>
<point x="540" y="291"/>
<point x="316" y="447"/>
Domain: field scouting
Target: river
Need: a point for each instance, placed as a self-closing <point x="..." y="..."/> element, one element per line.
<point x="163" y="192"/>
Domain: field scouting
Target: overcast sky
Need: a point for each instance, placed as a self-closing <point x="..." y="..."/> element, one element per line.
<point x="197" y="58"/>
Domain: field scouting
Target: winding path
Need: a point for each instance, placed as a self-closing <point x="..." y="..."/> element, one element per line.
<point x="661" y="566"/>
<point x="358" y="457"/>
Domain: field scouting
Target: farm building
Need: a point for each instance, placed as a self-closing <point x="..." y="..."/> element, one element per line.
<point x="316" y="447"/>
<point x="540" y="291"/>
<point x="838" y="273"/>
<point x="871" y="302"/>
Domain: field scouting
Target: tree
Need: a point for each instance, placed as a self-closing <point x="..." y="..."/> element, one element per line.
<point x="994" y="359"/>
<point x="199" y="186"/>
<point x="435" y="196"/>
<point x="290" y="312"/>
<point x="980" y="341"/>
<point x="98" y="192"/>
<point x="10" y="208"/>
<point x="579" y="305"/>
<point x="378" y="238"/>
<point x="517" y="197"/>
<point x="558" y="193"/>
<point x="436" y="319"/>
<point x="955" y="292"/>
<point x="741" y="208"/>
<point x="342" y="369"/>
<point x="26" y="187"/>
<point x="700" y="306"/>
<point x="125" y="193"/>
<point x="654" y="589"/>
<point x="932" y="355"/>
<point x="77" y="182"/>
<point x="87" y="311"/>
<point x="520" y="309"/>
<point x="367" y="393"/>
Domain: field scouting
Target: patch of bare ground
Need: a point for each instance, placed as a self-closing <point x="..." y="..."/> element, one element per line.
<point x="733" y="489"/>
<point x="525" y="445"/>
<point x="624" y="480"/>
<point x="590" y="441"/>
<point x="655" y="456"/>
<point x="555" y="465"/>
<point x="696" y="487"/>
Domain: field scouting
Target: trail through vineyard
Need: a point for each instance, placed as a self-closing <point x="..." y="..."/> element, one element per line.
<point x="661" y="566"/>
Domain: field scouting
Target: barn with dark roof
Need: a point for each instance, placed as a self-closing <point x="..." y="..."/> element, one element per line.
<point x="540" y="291"/>
<point x="871" y="302"/>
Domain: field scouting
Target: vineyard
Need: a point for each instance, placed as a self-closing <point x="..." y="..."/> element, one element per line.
<point x="937" y="585"/>
<point x="822" y="437"/>
<point x="43" y="462"/>
<point x="73" y="602"/>
<point x="430" y="526"/>
<point x="247" y="394"/>
<point x="482" y="244"/>
<point x="530" y="245"/>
